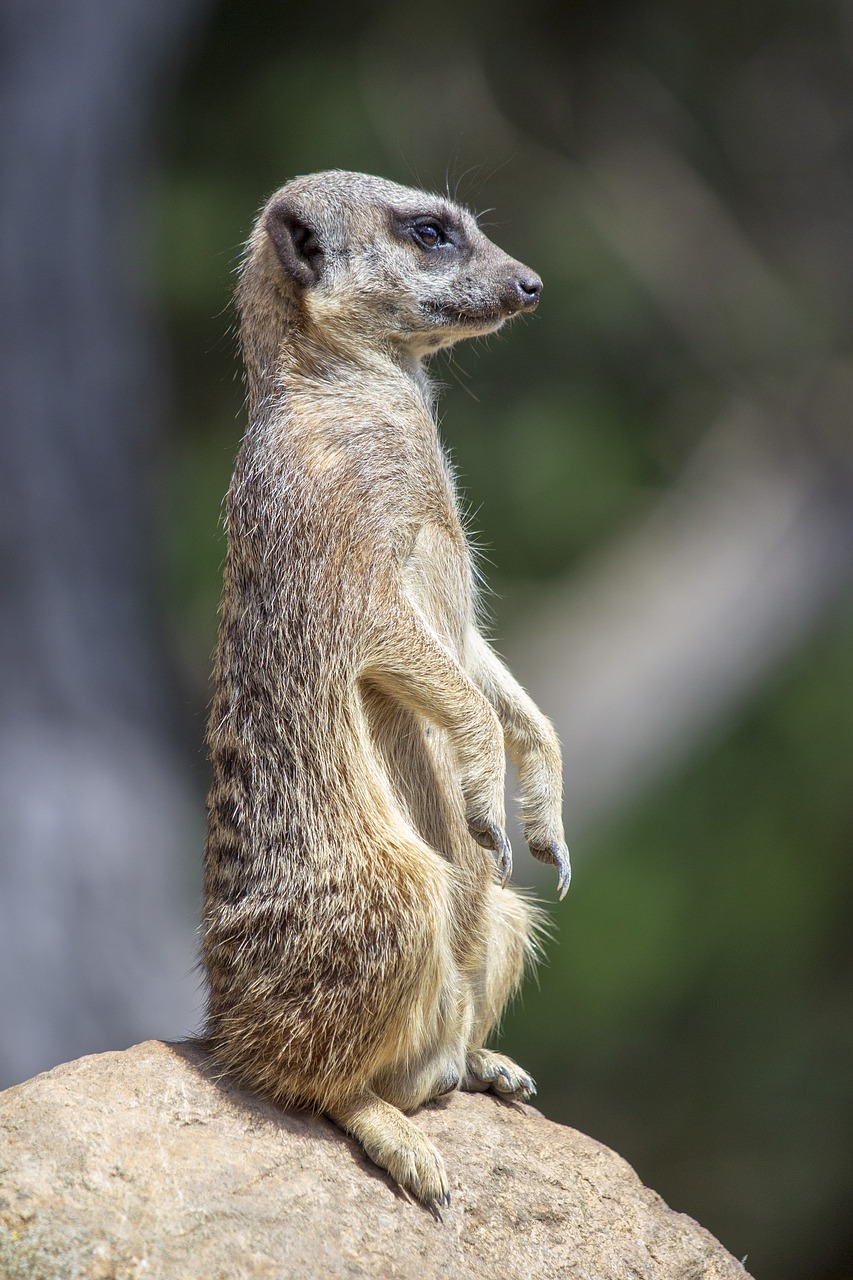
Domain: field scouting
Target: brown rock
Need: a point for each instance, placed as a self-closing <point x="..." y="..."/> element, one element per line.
<point x="143" y="1164"/>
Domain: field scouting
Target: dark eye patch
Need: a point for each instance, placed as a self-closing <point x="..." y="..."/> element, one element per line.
<point x="429" y="230"/>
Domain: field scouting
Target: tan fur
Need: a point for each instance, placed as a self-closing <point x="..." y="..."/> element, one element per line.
<point x="358" y="944"/>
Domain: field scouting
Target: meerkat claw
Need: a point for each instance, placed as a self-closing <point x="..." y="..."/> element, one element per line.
<point x="558" y="853"/>
<point x="517" y="1085"/>
<point x="564" y="871"/>
<point x="491" y="837"/>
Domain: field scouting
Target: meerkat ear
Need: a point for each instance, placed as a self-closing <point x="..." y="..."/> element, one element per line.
<point x="296" y="243"/>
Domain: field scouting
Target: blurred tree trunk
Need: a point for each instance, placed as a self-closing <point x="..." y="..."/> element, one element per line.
<point x="98" y="812"/>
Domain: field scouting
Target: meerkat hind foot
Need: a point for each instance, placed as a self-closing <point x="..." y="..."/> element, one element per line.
<point x="486" y="1069"/>
<point x="397" y="1145"/>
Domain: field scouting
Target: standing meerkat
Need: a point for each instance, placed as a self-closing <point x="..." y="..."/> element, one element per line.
<point x="359" y="939"/>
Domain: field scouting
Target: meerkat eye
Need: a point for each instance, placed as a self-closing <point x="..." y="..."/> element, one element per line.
<point x="429" y="234"/>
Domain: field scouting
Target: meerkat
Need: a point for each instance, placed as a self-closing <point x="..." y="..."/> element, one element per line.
<point x="359" y="938"/>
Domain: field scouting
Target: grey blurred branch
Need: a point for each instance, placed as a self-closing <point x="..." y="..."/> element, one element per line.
<point x="669" y="630"/>
<point x="96" y="807"/>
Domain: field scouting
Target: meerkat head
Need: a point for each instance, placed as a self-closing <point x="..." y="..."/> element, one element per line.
<point x="360" y="260"/>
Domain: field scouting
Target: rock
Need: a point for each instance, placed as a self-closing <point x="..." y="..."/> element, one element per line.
<point x="143" y="1164"/>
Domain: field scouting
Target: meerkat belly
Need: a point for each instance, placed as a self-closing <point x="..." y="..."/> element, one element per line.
<point x="415" y="753"/>
<point x="437" y="579"/>
<point x="418" y="765"/>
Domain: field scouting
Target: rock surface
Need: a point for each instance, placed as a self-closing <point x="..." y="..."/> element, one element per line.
<point x="142" y="1164"/>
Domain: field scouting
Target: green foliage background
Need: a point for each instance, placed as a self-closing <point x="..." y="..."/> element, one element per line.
<point x="694" y="1011"/>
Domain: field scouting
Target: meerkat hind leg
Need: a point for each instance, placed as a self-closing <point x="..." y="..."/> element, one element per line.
<point x="397" y="1145"/>
<point x="410" y="1086"/>
<point x="513" y="928"/>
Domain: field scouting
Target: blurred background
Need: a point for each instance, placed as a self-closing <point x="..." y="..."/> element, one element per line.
<point x="659" y="467"/>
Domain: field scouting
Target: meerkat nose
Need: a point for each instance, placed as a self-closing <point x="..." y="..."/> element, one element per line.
<point x="528" y="287"/>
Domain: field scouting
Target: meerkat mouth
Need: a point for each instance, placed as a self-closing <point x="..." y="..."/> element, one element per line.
<point x="490" y="320"/>
<point x="491" y="317"/>
<point x="455" y="318"/>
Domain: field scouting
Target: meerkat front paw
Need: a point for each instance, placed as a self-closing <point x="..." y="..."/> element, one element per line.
<point x="493" y="837"/>
<point x="555" y="851"/>
<point x="485" y="1069"/>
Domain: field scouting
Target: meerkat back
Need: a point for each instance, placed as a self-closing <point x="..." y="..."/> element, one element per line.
<point x="360" y="939"/>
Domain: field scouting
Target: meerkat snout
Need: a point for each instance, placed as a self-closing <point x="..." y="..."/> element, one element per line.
<point x="529" y="287"/>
